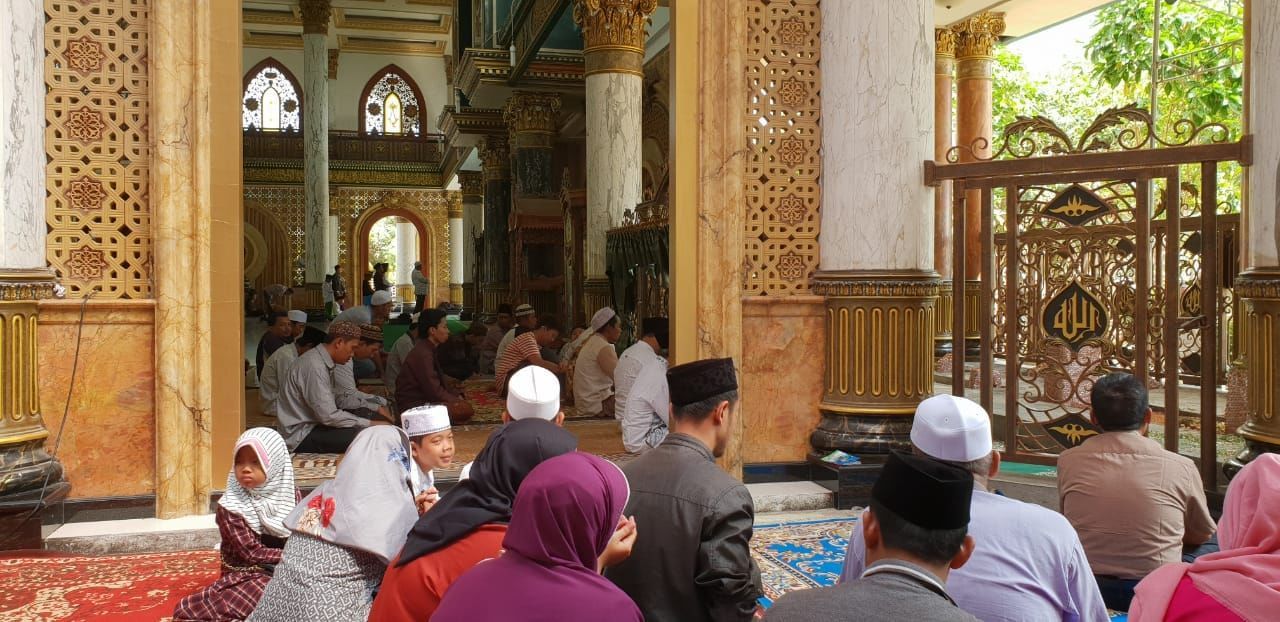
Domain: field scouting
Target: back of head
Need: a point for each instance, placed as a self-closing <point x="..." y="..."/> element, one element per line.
<point x="922" y="507"/>
<point x="566" y="510"/>
<point x="954" y="430"/>
<point x="504" y="309"/>
<point x="697" y="388"/>
<point x="1119" y="402"/>
<point x="311" y="337"/>
<point x="548" y="322"/>
<point x="533" y="393"/>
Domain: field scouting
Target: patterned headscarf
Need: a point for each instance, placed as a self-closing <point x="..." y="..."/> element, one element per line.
<point x="265" y="507"/>
<point x="369" y="505"/>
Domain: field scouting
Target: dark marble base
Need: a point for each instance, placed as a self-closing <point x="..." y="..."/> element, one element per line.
<point x="21" y="513"/>
<point x="851" y="484"/>
<point x="942" y="347"/>
<point x="861" y="434"/>
<point x="1252" y="449"/>
<point x="24" y="466"/>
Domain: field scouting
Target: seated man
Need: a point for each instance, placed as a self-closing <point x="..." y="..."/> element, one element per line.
<point x="493" y="338"/>
<point x="346" y="394"/>
<point x="1028" y="564"/>
<point x="421" y="380"/>
<point x="310" y="420"/>
<point x="395" y="358"/>
<point x="1134" y="504"/>
<point x="915" y="533"/>
<point x="376" y="313"/>
<point x="696" y="564"/>
<point x="527" y="350"/>
<point x="279" y="332"/>
<point x="593" y="370"/>
<point x="635" y="357"/>
<point x="646" y="409"/>
<point x="277" y="368"/>
<point x="526" y="319"/>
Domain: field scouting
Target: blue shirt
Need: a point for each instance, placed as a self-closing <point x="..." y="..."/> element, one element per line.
<point x="1027" y="564"/>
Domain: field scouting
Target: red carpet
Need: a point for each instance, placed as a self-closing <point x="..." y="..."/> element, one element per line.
<point x="125" y="587"/>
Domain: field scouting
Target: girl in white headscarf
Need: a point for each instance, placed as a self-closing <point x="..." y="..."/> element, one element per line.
<point x="259" y="496"/>
<point x="345" y="533"/>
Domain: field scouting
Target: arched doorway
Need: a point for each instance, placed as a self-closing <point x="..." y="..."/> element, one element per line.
<point x="364" y="226"/>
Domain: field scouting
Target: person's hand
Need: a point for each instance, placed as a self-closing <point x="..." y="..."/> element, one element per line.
<point x="384" y="413"/>
<point x="426" y="499"/>
<point x="620" y="545"/>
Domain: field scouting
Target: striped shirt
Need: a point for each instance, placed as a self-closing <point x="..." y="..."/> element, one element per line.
<point x="522" y="348"/>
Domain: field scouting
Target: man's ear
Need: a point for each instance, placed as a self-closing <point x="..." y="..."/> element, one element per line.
<point x="995" y="464"/>
<point x="560" y="419"/>
<point x="721" y="413"/>
<point x="962" y="556"/>
<point x="506" y="417"/>
<point x="870" y="530"/>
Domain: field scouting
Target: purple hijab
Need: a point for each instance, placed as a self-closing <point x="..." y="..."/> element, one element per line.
<point x="564" y="515"/>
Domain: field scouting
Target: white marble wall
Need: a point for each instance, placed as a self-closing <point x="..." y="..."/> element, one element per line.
<point x="877" y="130"/>
<point x="1264" y="124"/>
<point x="614" y="157"/>
<point x="315" y="127"/>
<point x="457" y="244"/>
<point x="407" y="252"/>
<point x="472" y="225"/>
<point x="22" y="135"/>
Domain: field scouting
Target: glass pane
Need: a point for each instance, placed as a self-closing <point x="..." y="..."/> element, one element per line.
<point x="391" y="120"/>
<point x="271" y="109"/>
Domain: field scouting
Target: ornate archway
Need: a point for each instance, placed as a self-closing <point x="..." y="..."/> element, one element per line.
<point x="364" y="226"/>
<point x="358" y="209"/>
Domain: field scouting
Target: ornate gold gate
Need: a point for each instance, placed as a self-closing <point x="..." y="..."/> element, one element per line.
<point x="1100" y="257"/>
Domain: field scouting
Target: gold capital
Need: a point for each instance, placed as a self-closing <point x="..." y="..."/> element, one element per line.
<point x="315" y="16"/>
<point x="530" y="112"/>
<point x="613" y="23"/>
<point x="495" y="153"/>
<point x="472" y="183"/>
<point x="945" y="39"/>
<point x="979" y="35"/>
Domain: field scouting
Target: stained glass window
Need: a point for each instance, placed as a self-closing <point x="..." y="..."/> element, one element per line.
<point x="271" y="99"/>
<point x="392" y="104"/>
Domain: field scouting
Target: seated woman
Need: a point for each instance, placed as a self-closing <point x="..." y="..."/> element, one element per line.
<point x="566" y="526"/>
<point x="344" y="533"/>
<point x="1239" y="582"/>
<point x="259" y="497"/>
<point x="469" y="522"/>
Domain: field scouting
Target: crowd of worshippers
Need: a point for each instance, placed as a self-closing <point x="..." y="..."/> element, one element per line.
<point x="569" y="536"/>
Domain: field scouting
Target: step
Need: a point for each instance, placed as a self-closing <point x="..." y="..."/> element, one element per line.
<point x="790" y="497"/>
<point x="136" y="535"/>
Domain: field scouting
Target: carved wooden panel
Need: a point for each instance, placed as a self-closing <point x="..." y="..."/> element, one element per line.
<point x="285" y="205"/>
<point x="784" y="137"/>
<point x="96" y="140"/>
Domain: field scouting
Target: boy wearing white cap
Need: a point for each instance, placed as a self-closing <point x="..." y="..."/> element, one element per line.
<point x="1029" y="564"/>
<point x="431" y="441"/>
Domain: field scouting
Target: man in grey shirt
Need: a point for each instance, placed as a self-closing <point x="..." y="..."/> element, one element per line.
<point x="345" y="392"/>
<point x="310" y="419"/>
<point x="915" y="532"/>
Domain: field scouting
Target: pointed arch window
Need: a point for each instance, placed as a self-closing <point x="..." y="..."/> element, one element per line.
<point x="272" y="99"/>
<point x="391" y="103"/>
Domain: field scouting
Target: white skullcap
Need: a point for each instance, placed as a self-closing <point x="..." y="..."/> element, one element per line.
<point x="380" y="297"/>
<point x="425" y="420"/>
<point x="951" y="428"/>
<point x="601" y="318"/>
<point x="533" y="393"/>
<point x="298" y="316"/>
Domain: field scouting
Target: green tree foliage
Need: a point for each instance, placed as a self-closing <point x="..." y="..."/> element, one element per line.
<point x="382" y="244"/>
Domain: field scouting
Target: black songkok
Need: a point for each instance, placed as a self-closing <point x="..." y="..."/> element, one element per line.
<point x="699" y="380"/>
<point x="654" y="326"/>
<point x="925" y="492"/>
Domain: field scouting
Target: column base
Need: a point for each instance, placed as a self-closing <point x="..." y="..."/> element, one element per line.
<point x="972" y="320"/>
<point x="1252" y="449"/>
<point x="943" y="344"/>
<point x="492" y="295"/>
<point x="21" y="515"/>
<point x="1259" y="290"/>
<point x="596" y="295"/>
<point x="861" y="434"/>
<point x="455" y="293"/>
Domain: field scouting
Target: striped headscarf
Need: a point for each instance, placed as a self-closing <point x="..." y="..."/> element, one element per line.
<point x="266" y="506"/>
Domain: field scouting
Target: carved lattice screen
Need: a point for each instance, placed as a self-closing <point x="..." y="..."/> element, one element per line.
<point x="784" y="135"/>
<point x="285" y="204"/>
<point x="350" y="204"/>
<point x="96" y="140"/>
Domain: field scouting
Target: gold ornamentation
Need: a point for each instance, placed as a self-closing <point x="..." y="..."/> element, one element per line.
<point x="315" y="16"/>
<point x="1074" y="316"/>
<point x="472" y="183"/>
<point x="333" y="63"/>
<point x="782" y="122"/>
<point x="979" y="35"/>
<point x="532" y="112"/>
<point x="1074" y="432"/>
<point x="1118" y="129"/>
<point x="613" y="24"/>
<point x="562" y="70"/>
<point x="1077" y="205"/>
<point x="496" y="155"/>
<point x="945" y="42"/>
<point x="26" y="285"/>
<point x="97" y="143"/>
<point x="85" y="55"/>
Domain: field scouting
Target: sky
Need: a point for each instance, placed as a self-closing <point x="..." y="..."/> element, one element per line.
<point x="1045" y="51"/>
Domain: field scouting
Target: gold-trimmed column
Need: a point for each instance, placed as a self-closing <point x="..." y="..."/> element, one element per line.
<point x="944" y="69"/>
<point x="457" y="246"/>
<point x="533" y="119"/>
<point x="976" y="41"/>
<point x="613" y="34"/>
<point x="1259" y="291"/>
<point x="877" y="265"/>
<point x="472" y="183"/>
<point x="495" y="154"/>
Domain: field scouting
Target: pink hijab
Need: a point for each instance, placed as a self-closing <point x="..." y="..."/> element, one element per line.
<point x="1244" y="576"/>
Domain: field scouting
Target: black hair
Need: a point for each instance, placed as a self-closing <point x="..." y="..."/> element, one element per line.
<point x="275" y="315"/>
<point x="698" y="411"/>
<point x="935" y="546"/>
<point x="663" y="338"/>
<point x="430" y="319"/>
<point x="310" y="337"/>
<point x="328" y="278"/>
<point x="613" y="321"/>
<point x="504" y="308"/>
<point x="1119" y="402"/>
<point x="549" y="322"/>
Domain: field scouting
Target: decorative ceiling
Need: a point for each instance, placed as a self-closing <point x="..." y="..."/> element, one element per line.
<point x="397" y="27"/>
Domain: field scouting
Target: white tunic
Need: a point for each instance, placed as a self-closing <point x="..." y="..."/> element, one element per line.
<point x="591" y="386"/>
<point x="274" y="371"/>
<point x="648" y="406"/>
<point x="633" y="359"/>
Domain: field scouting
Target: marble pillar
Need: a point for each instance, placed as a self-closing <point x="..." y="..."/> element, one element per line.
<point x="331" y="247"/>
<point x="25" y="467"/>
<point x="533" y="119"/>
<point x="877" y="264"/>
<point x="976" y="41"/>
<point x="406" y="251"/>
<point x="315" y="136"/>
<point x="457" y="246"/>
<point x="613" y="34"/>
<point x="944" y="69"/>
<point x="472" y="183"/>
<point x="1259" y="284"/>
<point x="494" y="152"/>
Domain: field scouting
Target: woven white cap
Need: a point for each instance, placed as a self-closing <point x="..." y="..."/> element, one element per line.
<point x="601" y="318"/>
<point x="425" y="420"/>
<point x="298" y="316"/>
<point x="533" y="392"/>
<point x="380" y="297"/>
<point x="951" y="428"/>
